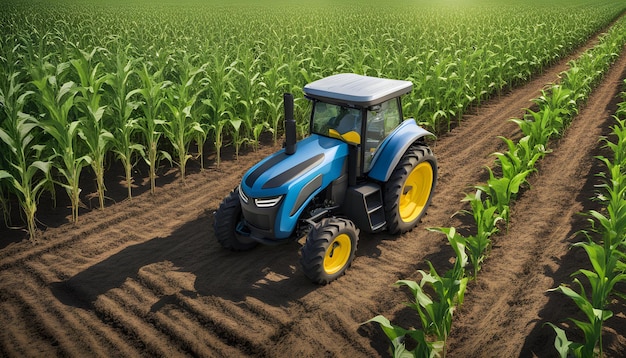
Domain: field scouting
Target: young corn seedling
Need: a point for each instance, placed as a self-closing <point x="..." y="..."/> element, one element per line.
<point x="486" y="220"/>
<point x="562" y="103"/>
<point x="397" y="335"/>
<point x="592" y="328"/>
<point x="612" y="227"/>
<point x="538" y="126"/>
<point x="520" y="156"/>
<point x="606" y="272"/>
<point x="436" y="314"/>
<point x="502" y="190"/>
<point x="618" y="146"/>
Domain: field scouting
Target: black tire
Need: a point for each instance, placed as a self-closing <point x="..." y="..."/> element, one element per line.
<point x="320" y="260"/>
<point x="226" y="220"/>
<point x="409" y="190"/>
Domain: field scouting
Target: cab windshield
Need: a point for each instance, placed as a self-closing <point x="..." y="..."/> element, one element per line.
<point x="337" y="121"/>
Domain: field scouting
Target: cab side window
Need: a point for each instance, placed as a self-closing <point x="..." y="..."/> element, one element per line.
<point x="381" y="122"/>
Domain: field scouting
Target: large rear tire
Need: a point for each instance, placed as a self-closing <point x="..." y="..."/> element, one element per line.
<point x="409" y="190"/>
<point x="229" y="225"/>
<point x="329" y="249"/>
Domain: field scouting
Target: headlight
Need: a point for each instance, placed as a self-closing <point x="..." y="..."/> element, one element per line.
<point x="242" y="195"/>
<point x="267" y="202"/>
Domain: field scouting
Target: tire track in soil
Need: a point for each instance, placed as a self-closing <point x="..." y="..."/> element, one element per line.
<point x="148" y="277"/>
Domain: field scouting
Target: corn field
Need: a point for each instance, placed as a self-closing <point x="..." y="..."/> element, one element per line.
<point x="87" y="84"/>
<point x="122" y="111"/>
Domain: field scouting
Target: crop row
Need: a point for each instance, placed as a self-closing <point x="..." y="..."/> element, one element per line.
<point x="490" y="208"/>
<point x="86" y="83"/>
<point x="605" y="248"/>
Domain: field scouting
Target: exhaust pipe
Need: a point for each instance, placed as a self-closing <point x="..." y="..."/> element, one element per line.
<point x="290" y="125"/>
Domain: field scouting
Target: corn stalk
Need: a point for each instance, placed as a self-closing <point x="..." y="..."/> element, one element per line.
<point x="124" y="126"/>
<point x="57" y="102"/>
<point x="92" y="129"/>
<point x="183" y="127"/>
<point x="152" y="96"/>
<point x="28" y="170"/>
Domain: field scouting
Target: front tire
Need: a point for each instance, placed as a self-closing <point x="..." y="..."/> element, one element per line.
<point x="229" y="226"/>
<point x="329" y="250"/>
<point x="409" y="190"/>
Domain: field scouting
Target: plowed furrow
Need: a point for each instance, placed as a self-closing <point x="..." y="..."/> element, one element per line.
<point x="136" y="329"/>
<point x="51" y="326"/>
<point x="165" y="314"/>
<point x="233" y="319"/>
<point x="62" y="331"/>
<point x="225" y="327"/>
<point x="187" y="329"/>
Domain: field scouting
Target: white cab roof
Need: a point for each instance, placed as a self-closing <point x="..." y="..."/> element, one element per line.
<point x="356" y="89"/>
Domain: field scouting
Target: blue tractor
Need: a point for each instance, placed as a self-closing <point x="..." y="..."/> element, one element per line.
<point x="362" y="168"/>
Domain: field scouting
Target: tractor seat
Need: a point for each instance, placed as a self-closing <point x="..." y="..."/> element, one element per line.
<point x="349" y="129"/>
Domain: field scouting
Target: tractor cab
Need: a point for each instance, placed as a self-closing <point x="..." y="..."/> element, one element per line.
<point x="362" y="168"/>
<point x="362" y="111"/>
<point x="347" y="124"/>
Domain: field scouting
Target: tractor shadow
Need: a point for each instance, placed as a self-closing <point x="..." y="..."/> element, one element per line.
<point x="268" y="273"/>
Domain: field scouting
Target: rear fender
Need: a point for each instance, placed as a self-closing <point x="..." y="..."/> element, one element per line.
<point x="393" y="147"/>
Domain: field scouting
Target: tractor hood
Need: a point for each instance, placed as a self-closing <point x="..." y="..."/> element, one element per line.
<point x="280" y="173"/>
<point x="276" y="191"/>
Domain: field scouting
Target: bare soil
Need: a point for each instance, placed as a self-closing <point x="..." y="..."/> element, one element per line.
<point x="147" y="277"/>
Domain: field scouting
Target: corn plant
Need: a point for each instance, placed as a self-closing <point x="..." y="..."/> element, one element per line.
<point x="92" y="129"/>
<point x="235" y="124"/>
<point x="219" y="95"/>
<point x="435" y="312"/>
<point x="618" y="146"/>
<point x="248" y="93"/>
<point x="538" y="126"/>
<point x="425" y="348"/>
<point x="592" y="328"/>
<point x="151" y="123"/>
<point x="201" y="137"/>
<point x="501" y="191"/>
<point x="183" y="127"/>
<point x="607" y="272"/>
<point x="607" y="260"/>
<point x="58" y="101"/>
<point x="27" y="172"/>
<point x="125" y="126"/>
<point x="561" y="102"/>
<point x="486" y="220"/>
<point x="275" y="83"/>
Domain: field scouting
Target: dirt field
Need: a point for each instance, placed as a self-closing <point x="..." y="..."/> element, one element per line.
<point x="148" y="278"/>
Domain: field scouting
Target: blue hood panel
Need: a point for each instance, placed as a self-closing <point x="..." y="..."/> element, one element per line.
<point x="280" y="173"/>
<point x="296" y="178"/>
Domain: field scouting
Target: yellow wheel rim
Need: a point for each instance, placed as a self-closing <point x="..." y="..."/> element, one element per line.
<point x="337" y="254"/>
<point x="415" y="192"/>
